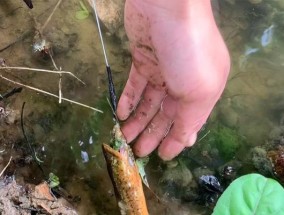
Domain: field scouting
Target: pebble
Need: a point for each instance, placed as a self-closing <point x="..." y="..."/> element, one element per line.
<point x="12" y="116"/>
<point x="200" y="171"/>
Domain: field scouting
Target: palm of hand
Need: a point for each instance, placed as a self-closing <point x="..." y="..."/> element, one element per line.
<point x="177" y="76"/>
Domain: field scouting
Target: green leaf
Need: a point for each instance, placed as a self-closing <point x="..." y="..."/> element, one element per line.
<point x="83" y="13"/>
<point x="53" y="180"/>
<point x="251" y="194"/>
<point x="83" y="6"/>
<point x="141" y="163"/>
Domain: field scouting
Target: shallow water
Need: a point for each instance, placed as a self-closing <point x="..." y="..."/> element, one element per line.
<point x="252" y="103"/>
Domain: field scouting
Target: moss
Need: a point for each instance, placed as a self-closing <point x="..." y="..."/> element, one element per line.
<point x="227" y="141"/>
<point x="260" y="161"/>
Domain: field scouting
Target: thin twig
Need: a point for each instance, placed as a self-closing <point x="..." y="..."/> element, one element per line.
<point x="42" y="70"/>
<point x="203" y="136"/>
<point x="53" y="62"/>
<point x="6" y="166"/>
<point x="50" y="94"/>
<point x="49" y="18"/>
<point x="59" y="89"/>
<point x="60" y="78"/>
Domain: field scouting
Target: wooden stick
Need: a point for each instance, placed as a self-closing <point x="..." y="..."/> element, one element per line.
<point x="60" y="78"/>
<point x="50" y="94"/>
<point x="6" y="166"/>
<point x="43" y="70"/>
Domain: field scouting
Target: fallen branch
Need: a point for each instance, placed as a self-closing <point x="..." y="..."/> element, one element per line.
<point x="43" y="70"/>
<point x="6" y="166"/>
<point x="60" y="78"/>
<point x="60" y="89"/>
<point x="50" y="94"/>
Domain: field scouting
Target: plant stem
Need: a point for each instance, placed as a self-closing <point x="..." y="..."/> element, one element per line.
<point x="43" y="70"/>
<point x="50" y="94"/>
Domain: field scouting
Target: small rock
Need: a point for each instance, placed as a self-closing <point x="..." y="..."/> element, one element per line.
<point x="277" y="161"/>
<point x="210" y="183"/>
<point x="2" y="62"/>
<point x="12" y="116"/>
<point x="200" y="171"/>
<point x="111" y="13"/>
<point x="179" y="175"/>
<point x="260" y="160"/>
<point x="229" y="170"/>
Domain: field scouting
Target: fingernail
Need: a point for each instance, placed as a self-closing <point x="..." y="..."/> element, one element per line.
<point x="122" y="116"/>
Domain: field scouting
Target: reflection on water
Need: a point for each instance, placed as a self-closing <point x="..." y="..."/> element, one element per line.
<point x="251" y="106"/>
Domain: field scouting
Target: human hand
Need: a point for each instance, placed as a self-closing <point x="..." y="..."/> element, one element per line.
<point x="179" y="70"/>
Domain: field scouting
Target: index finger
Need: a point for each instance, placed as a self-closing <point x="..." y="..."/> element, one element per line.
<point x="131" y="94"/>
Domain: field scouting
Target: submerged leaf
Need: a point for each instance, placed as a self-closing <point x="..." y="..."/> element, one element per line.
<point x="251" y="194"/>
<point x="141" y="163"/>
<point x="83" y="13"/>
<point x="83" y="6"/>
<point x="53" y="180"/>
